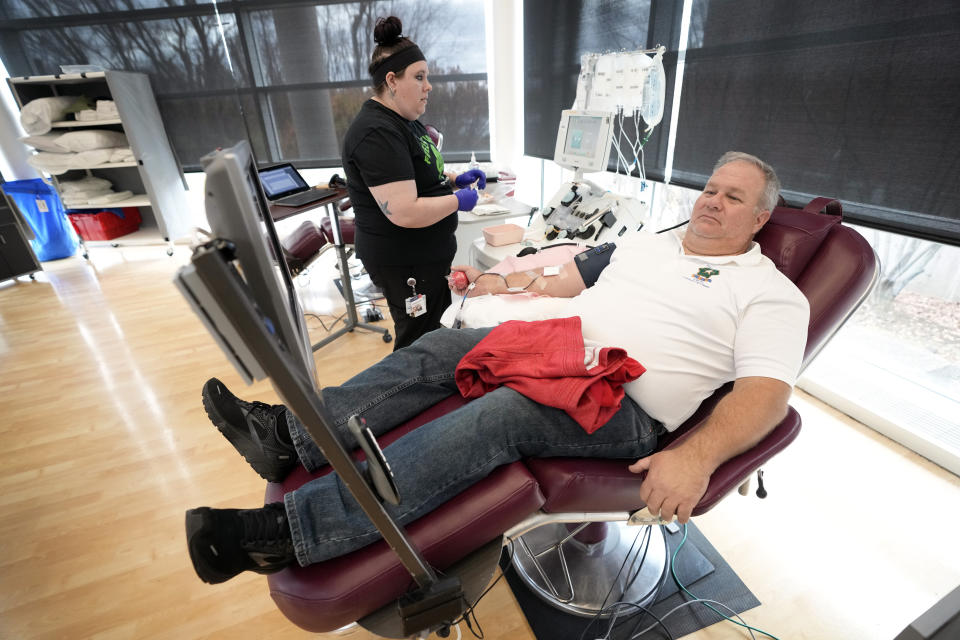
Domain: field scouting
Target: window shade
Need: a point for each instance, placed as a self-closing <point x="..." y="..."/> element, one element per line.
<point x="853" y="100"/>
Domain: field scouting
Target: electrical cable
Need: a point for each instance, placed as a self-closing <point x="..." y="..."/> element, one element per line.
<point x="613" y="583"/>
<point x="659" y="620"/>
<point x="653" y="600"/>
<point x="656" y="593"/>
<point x="470" y="611"/>
<point x="646" y="547"/>
<point x="704" y="601"/>
<point x="603" y="604"/>
<point x="684" y="589"/>
<point x="332" y="324"/>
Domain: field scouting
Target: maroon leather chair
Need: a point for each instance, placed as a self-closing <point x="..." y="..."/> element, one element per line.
<point x="304" y="245"/>
<point x="831" y="264"/>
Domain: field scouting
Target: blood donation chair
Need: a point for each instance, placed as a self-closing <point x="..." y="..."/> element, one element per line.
<point x="304" y="246"/>
<point x="540" y="503"/>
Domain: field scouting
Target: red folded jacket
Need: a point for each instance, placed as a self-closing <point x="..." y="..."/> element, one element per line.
<point x="544" y="360"/>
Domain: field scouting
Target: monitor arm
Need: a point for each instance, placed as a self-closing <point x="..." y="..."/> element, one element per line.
<point x="221" y="298"/>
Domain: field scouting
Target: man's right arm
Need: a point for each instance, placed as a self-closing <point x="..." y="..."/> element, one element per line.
<point x="563" y="281"/>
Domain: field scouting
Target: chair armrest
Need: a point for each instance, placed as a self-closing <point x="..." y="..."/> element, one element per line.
<point x="591" y="485"/>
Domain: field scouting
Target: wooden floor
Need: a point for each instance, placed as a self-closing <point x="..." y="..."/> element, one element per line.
<point x="104" y="444"/>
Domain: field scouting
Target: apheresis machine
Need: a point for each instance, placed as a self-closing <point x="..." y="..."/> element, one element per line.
<point x="619" y="101"/>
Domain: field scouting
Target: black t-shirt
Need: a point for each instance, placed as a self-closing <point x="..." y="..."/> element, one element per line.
<point x="382" y="147"/>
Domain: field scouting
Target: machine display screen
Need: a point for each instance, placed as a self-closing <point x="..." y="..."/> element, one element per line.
<point x="582" y="136"/>
<point x="583" y="140"/>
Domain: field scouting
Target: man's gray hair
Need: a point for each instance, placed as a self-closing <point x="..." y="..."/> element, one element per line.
<point x="771" y="183"/>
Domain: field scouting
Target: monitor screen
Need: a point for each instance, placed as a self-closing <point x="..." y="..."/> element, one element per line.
<point x="583" y="140"/>
<point x="281" y="180"/>
<point x="238" y="211"/>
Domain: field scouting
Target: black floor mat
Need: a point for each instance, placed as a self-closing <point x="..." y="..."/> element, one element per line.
<point x="700" y="568"/>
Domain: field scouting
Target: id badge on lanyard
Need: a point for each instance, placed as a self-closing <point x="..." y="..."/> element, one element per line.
<point x="417" y="303"/>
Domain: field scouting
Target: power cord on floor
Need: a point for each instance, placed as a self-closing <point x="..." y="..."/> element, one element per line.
<point x="470" y="612"/>
<point x="656" y="593"/>
<point x="706" y="603"/>
<point x="703" y="601"/>
<point x="613" y="583"/>
<point x="643" y="610"/>
<point x="322" y="324"/>
<point x="645" y="545"/>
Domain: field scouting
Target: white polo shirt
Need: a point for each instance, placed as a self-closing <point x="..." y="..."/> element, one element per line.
<point x="694" y="322"/>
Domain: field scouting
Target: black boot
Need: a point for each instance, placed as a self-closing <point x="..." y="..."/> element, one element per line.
<point x="225" y="542"/>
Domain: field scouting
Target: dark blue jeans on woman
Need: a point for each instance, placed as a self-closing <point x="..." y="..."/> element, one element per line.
<point x="440" y="459"/>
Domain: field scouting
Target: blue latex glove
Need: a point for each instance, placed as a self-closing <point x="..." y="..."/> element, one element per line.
<point x="469" y="177"/>
<point x="467" y="199"/>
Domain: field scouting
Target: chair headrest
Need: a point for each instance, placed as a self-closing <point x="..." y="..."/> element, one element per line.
<point x="792" y="236"/>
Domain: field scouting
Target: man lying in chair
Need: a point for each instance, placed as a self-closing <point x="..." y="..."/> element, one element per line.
<point x="697" y="309"/>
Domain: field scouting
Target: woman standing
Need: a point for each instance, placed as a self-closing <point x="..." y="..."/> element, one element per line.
<point x="406" y="210"/>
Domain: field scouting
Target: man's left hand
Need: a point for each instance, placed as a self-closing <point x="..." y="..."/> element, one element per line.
<point x="674" y="484"/>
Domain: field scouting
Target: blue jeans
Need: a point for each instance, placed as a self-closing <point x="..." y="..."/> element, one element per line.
<point x="440" y="459"/>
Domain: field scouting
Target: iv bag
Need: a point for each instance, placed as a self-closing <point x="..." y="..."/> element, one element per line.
<point x="654" y="92"/>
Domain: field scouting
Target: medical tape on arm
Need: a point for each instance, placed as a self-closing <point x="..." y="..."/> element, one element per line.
<point x="555" y="271"/>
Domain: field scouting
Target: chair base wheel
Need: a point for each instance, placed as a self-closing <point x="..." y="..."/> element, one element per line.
<point x="576" y="577"/>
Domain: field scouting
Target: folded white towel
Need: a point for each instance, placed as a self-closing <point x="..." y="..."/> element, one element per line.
<point x="73" y="201"/>
<point x="85" y="195"/>
<point x="92" y="139"/>
<point x="107" y="109"/>
<point x="91" y="158"/>
<point x="52" y="163"/>
<point x="37" y="115"/>
<point x="110" y="197"/>
<point x="44" y="142"/>
<point x="85" y="184"/>
<point x="122" y="154"/>
<point x="87" y="115"/>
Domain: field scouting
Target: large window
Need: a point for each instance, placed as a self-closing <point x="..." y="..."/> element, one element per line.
<point x="287" y="76"/>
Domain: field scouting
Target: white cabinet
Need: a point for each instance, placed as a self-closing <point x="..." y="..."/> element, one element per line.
<point x="153" y="175"/>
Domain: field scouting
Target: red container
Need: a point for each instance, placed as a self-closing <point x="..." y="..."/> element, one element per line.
<point x="106" y="225"/>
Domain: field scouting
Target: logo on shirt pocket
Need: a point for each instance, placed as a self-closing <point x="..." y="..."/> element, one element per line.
<point x="704" y="276"/>
<point x="430" y="153"/>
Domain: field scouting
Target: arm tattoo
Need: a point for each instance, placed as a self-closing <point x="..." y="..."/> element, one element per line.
<point x="383" y="207"/>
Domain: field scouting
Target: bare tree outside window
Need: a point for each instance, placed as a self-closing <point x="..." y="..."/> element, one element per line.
<point x="289" y="79"/>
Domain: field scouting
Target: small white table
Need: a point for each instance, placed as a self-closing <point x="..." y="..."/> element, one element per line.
<point x="471" y="226"/>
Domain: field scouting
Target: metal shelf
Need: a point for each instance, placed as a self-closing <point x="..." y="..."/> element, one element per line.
<point x="67" y="124"/>
<point x="138" y="200"/>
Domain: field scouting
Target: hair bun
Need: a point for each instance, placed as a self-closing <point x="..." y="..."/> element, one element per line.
<point x="387" y="31"/>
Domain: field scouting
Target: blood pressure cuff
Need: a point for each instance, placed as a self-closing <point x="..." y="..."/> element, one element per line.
<point x="592" y="261"/>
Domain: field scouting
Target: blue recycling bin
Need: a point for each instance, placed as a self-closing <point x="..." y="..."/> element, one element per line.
<point x="54" y="237"/>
